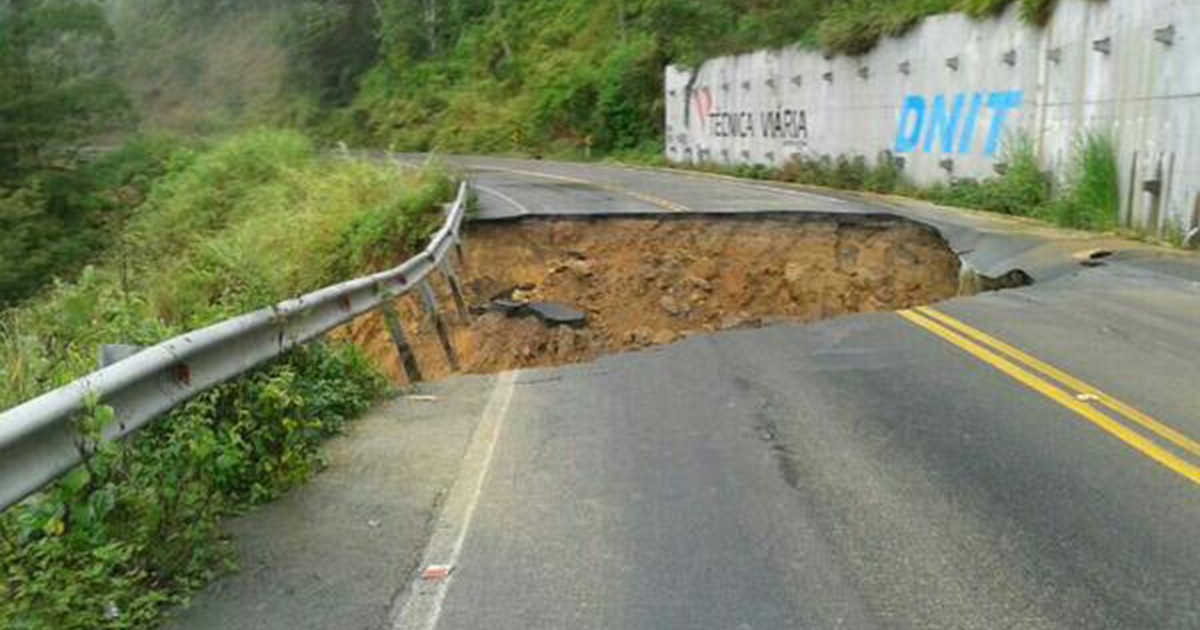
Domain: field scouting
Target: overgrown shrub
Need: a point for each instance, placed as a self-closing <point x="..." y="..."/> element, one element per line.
<point x="845" y="172"/>
<point x="1037" y="11"/>
<point x="885" y="176"/>
<point x="135" y="529"/>
<point x="1022" y="189"/>
<point x="55" y="222"/>
<point x="1090" y="197"/>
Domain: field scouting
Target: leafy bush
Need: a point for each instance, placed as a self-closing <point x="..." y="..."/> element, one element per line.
<point x="886" y="176"/>
<point x="845" y="172"/>
<point x="55" y="222"/>
<point x="1022" y="189"/>
<point x="983" y="8"/>
<point x="135" y="529"/>
<point x="630" y="84"/>
<point x="854" y="27"/>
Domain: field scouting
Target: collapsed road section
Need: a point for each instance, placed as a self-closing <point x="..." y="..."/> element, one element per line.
<point x="549" y="291"/>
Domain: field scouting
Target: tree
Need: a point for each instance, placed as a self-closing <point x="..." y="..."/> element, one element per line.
<point x="330" y="44"/>
<point x="57" y="88"/>
<point x="57" y="81"/>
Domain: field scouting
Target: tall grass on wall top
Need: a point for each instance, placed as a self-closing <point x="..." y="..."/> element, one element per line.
<point x="854" y="27"/>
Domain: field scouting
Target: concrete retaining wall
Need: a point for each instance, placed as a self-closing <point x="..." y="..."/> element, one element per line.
<point x="945" y="97"/>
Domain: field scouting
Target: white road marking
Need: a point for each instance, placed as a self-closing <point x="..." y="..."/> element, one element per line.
<point x="505" y="198"/>
<point x="612" y="188"/>
<point x="423" y="606"/>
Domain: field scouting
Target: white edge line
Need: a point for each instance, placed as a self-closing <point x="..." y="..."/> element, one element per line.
<point x="422" y="607"/>
<point x="505" y="198"/>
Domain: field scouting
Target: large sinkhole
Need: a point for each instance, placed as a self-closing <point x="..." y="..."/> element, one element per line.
<point x="652" y="281"/>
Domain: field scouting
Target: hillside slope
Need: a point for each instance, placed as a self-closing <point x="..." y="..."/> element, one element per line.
<point x="528" y="76"/>
<point x="578" y="76"/>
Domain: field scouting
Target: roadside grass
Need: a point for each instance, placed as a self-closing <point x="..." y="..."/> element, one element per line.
<point x="249" y="221"/>
<point x="1023" y="189"/>
<point x="1087" y="197"/>
<point x="1090" y="198"/>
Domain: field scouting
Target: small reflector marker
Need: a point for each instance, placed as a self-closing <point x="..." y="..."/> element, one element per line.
<point x="436" y="572"/>
<point x="1086" y="397"/>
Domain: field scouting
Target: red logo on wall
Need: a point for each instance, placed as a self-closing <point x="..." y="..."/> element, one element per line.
<point x="703" y="101"/>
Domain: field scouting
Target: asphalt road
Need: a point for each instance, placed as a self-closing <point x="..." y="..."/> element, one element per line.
<point x="1019" y="459"/>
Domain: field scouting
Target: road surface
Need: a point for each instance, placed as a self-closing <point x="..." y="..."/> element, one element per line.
<point x="1019" y="459"/>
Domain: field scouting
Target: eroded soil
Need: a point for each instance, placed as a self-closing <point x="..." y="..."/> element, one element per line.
<point x="646" y="282"/>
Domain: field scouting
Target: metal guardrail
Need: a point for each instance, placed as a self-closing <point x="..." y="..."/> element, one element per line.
<point x="38" y="441"/>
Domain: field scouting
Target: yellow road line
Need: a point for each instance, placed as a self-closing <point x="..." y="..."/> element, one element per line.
<point x="1168" y="433"/>
<point x="1144" y="445"/>
<point x="650" y="199"/>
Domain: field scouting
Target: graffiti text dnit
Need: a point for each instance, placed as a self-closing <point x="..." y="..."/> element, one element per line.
<point x="951" y="124"/>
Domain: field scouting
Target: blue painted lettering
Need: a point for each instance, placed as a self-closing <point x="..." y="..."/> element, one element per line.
<point x="912" y="119"/>
<point x="1001" y="103"/>
<point x="967" y="142"/>
<point x="949" y="124"/>
<point x="943" y="124"/>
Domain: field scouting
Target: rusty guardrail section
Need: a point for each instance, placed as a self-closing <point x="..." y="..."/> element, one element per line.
<point x="38" y="440"/>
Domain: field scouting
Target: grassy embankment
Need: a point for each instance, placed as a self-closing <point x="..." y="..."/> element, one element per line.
<point x="222" y="230"/>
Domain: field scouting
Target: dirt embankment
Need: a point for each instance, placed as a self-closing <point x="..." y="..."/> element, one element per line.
<point x="645" y="282"/>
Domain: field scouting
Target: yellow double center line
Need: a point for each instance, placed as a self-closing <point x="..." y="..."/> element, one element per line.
<point x="1066" y="390"/>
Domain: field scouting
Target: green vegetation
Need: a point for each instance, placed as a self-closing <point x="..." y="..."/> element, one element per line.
<point x="1022" y="189"/>
<point x="1087" y="198"/>
<point x="564" y="77"/>
<point x="855" y="26"/>
<point x="133" y="531"/>
<point x="223" y="229"/>
<point x="1091" y="196"/>
<point x="248" y="222"/>
<point x="575" y="76"/>
<point x="57" y="87"/>
<point x="57" y="82"/>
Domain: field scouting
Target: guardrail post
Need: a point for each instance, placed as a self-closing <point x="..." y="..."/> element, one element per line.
<point x="460" y="304"/>
<point x="430" y="301"/>
<point x="407" y="359"/>
<point x="458" y="253"/>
